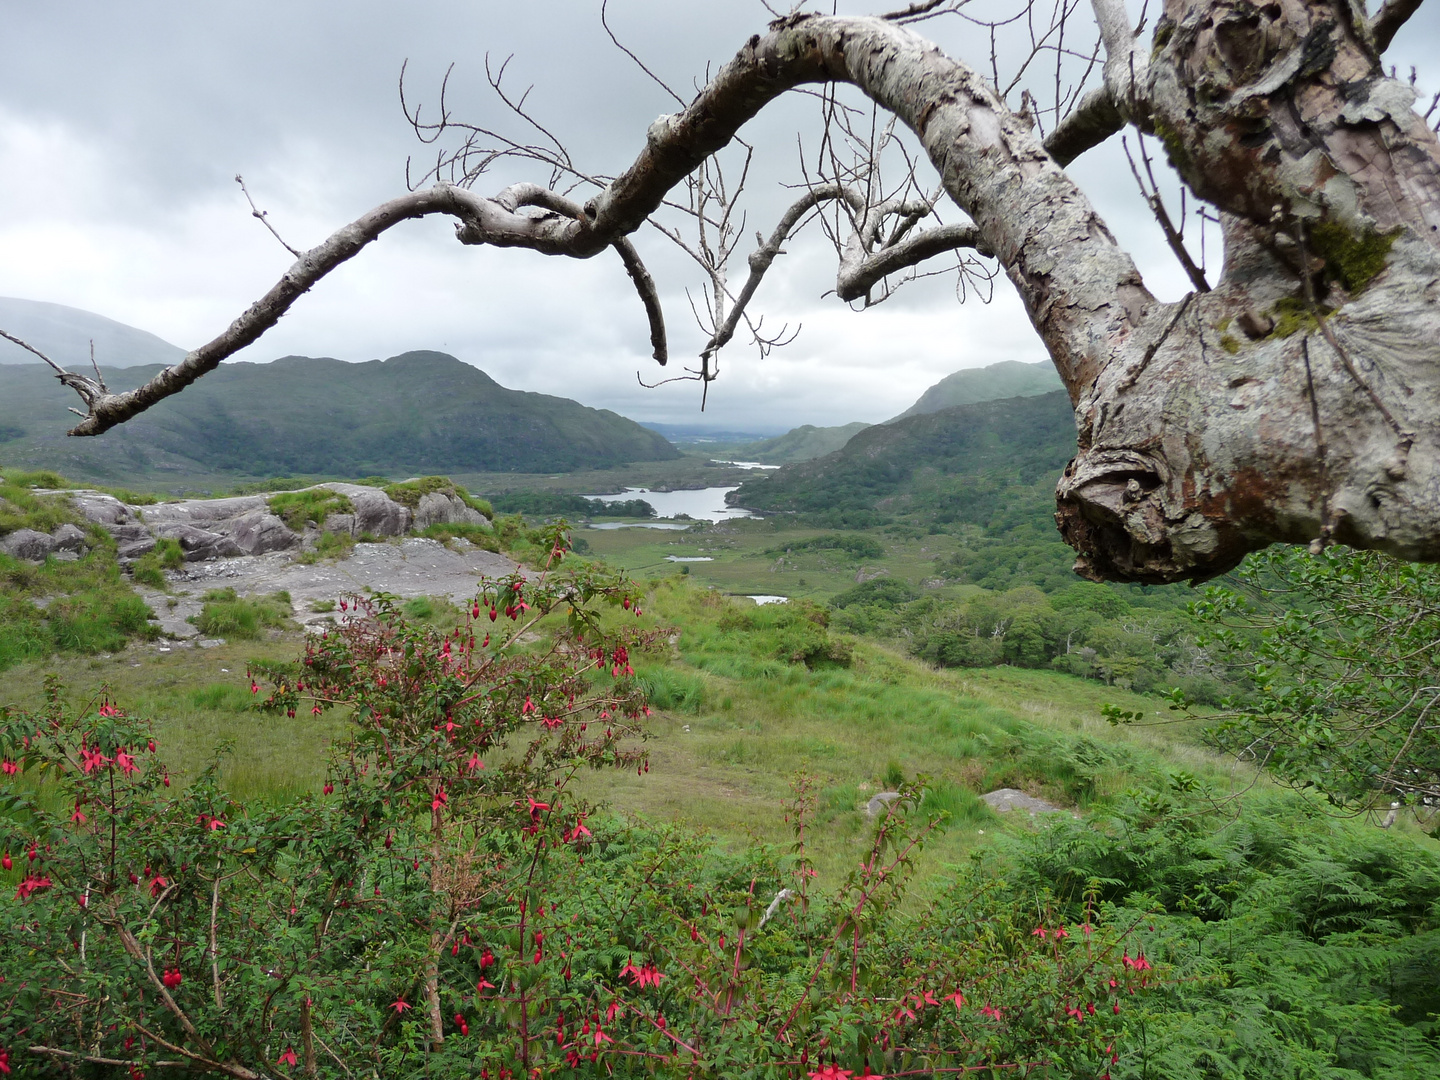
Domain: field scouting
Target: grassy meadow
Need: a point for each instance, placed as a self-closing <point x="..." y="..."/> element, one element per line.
<point x="747" y="697"/>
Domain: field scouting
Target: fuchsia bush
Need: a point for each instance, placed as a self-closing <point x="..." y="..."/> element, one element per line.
<point x="446" y="906"/>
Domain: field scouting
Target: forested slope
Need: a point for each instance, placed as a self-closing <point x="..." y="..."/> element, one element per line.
<point x="420" y="412"/>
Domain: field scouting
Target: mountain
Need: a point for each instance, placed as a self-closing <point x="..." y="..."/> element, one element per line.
<point x="798" y="444"/>
<point x="1008" y="378"/>
<point x="420" y="412"/>
<point x="985" y="471"/>
<point x="64" y="334"/>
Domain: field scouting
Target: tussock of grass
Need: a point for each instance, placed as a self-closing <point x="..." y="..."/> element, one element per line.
<point x="227" y="615"/>
<point x="59" y="606"/>
<point x="297" y="508"/>
<point x="150" y="568"/>
<point x="478" y="535"/>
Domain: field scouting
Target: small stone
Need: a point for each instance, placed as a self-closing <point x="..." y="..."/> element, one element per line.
<point x="880" y="802"/>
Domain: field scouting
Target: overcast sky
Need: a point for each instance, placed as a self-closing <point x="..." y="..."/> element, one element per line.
<point x="122" y="126"/>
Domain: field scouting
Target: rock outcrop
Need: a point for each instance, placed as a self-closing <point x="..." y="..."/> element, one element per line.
<point x="211" y="529"/>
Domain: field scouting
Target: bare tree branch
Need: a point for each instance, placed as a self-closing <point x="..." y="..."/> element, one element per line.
<point x="59" y="371"/>
<point x="482" y="221"/>
<point x="764" y="255"/>
<point x="645" y="286"/>
<point x="263" y="216"/>
<point x="1091" y="122"/>
<point x="1389" y="19"/>
<point x="855" y="281"/>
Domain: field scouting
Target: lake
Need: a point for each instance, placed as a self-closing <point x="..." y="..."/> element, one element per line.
<point x="702" y="504"/>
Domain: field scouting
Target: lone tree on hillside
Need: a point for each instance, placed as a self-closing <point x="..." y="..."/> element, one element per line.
<point x="1293" y="400"/>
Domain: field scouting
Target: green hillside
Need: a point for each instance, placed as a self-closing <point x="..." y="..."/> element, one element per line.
<point x="803" y="443"/>
<point x="1008" y="378"/>
<point x="417" y="413"/>
<point x="985" y="472"/>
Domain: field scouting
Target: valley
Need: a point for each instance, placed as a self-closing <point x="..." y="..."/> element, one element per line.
<point x="885" y="613"/>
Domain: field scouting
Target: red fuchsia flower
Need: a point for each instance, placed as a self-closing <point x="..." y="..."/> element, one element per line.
<point x="615" y="1009"/>
<point x="126" y="762"/>
<point x="904" y="1012"/>
<point x="577" y="832"/>
<point x="172" y="978"/>
<point x="1039" y="932"/>
<point x="493" y="613"/>
<point x="1117" y="1008"/>
<point x="483" y="985"/>
<point x="109" y="710"/>
<point x="989" y="1010"/>
<point x="150" y="745"/>
<point x="1061" y="934"/>
<point x="254" y="687"/>
<point x="630" y="971"/>
<point x="957" y="997"/>
<point x="474" y="763"/>
<point x="927" y="999"/>
<point x="78" y="816"/>
<point x="8" y="767"/>
<point x="440" y="800"/>
<point x="487" y="959"/>
<point x="400" y="1005"/>
<point x="1086" y="929"/>
<point x="328" y="789"/>
<point x="91" y="759"/>
<point x="536" y="807"/>
<point x="31" y="884"/>
<point x="288" y="1057"/>
<point x="4" y="1061"/>
<point x="5" y="861"/>
<point x="600" y="1036"/>
<point x="831" y="1072"/>
<point x="315" y="711"/>
<point x="461" y="1024"/>
<point x="551" y="722"/>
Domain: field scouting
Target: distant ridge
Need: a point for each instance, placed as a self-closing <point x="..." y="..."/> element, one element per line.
<point x="416" y="413"/>
<point x="803" y="443"/>
<point x="1006" y="379"/>
<point x="64" y="334"/>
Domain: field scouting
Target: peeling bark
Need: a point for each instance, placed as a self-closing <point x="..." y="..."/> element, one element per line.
<point x="1295" y="402"/>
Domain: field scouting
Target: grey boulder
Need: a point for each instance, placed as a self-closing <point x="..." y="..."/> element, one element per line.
<point x="69" y="538"/>
<point x="199" y="544"/>
<point x="27" y="544"/>
<point x="101" y="509"/>
<point x="437" y="508"/>
<point x="257" y="532"/>
<point x="375" y="512"/>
